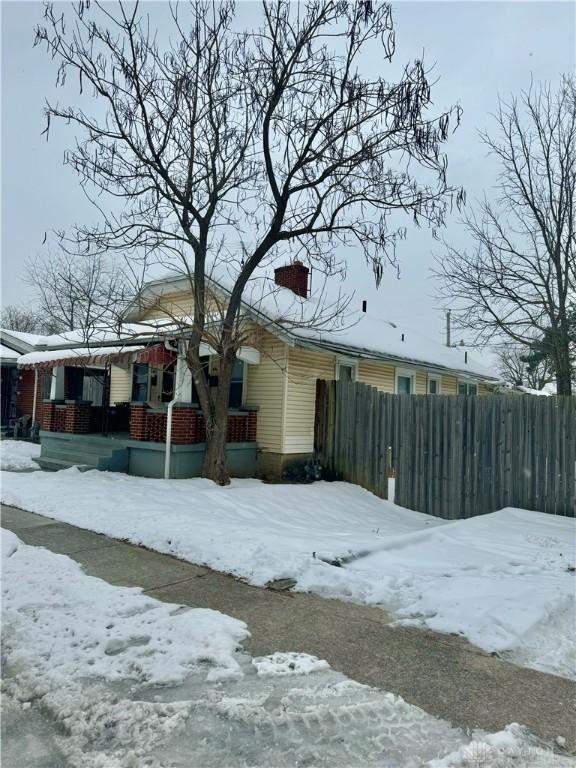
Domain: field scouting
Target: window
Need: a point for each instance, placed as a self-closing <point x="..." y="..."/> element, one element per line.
<point x="152" y="383"/>
<point x="46" y="384"/>
<point x="93" y="387"/>
<point x="346" y="370"/>
<point x="433" y="385"/>
<point x="467" y="388"/>
<point x="205" y="360"/>
<point x="166" y="376"/>
<point x="404" y="382"/>
<point x="140" y="383"/>
<point x="237" y="385"/>
<point x="74" y="383"/>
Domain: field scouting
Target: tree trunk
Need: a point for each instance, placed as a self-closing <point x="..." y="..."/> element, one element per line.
<point x="215" y="465"/>
<point x="563" y="381"/>
<point x="563" y="366"/>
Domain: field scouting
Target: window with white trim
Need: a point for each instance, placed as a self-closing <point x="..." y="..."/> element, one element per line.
<point x="467" y="388"/>
<point x="237" y="384"/>
<point x="346" y="370"/>
<point x="405" y="381"/>
<point x="152" y="383"/>
<point x="434" y="385"/>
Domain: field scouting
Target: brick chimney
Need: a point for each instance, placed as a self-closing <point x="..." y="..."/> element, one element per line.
<point x="293" y="276"/>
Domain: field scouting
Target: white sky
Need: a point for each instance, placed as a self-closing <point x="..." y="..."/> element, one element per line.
<point x="480" y="50"/>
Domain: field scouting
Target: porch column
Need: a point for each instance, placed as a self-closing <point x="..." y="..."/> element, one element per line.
<point x="57" y="384"/>
<point x="183" y="377"/>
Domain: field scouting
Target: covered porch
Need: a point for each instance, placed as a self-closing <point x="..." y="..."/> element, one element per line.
<point x="158" y="430"/>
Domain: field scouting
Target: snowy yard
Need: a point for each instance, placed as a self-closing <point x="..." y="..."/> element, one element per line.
<point x="16" y="455"/>
<point x="503" y="580"/>
<point x="97" y="676"/>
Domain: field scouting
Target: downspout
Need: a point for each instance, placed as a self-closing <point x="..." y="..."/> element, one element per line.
<point x="35" y="396"/>
<point x="168" y="451"/>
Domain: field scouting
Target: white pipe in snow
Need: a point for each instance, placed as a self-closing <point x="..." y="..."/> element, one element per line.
<point x="168" y="452"/>
<point x="35" y="395"/>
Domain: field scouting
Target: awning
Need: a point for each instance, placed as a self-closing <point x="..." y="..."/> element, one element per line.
<point x="157" y="354"/>
<point x="84" y="356"/>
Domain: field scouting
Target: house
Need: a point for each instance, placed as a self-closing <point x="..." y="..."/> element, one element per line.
<point x="17" y="386"/>
<point x="125" y="390"/>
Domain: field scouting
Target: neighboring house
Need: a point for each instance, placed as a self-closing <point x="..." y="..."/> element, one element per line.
<point x="17" y="386"/>
<point x="121" y="382"/>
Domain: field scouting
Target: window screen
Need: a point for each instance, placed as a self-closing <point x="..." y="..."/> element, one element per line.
<point x="404" y="385"/>
<point x="345" y="372"/>
<point x="464" y="388"/>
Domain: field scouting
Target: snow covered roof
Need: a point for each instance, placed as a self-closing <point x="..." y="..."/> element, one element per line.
<point x="18" y="341"/>
<point x="101" y="335"/>
<point x="8" y="355"/>
<point x="546" y="392"/>
<point x="358" y="334"/>
<point x="375" y="337"/>
<point x="79" y="356"/>
<point x="294" y="319"/>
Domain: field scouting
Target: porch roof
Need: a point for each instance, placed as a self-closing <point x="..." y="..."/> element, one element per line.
<point x="50" y="358"/>
<point x="8" y="355"/>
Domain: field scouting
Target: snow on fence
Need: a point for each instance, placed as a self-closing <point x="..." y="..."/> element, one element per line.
<point x="452" y="456"/>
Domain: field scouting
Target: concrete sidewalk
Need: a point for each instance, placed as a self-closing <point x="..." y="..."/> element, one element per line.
<point x="443" y="674"/>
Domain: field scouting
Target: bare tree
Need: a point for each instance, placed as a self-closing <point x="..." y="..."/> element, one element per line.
<point x="519" y="282"/>
<point x="77" y="292"/>
<point x="228" y="148"/>
<point x="25" y="320"/>
<point x="514" y="368"/>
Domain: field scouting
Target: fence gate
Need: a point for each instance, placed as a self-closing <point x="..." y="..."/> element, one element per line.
<point x="453" y="456"/>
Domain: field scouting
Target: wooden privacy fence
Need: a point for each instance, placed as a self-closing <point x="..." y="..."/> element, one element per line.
<point x="453" y="456"/>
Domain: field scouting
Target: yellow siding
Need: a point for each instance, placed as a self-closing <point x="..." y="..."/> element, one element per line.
<point x="265" y="387"/>
<point x="177" y="304"/>
<point x="377" y="374"/>
<point x="120" y="384"/>
<point x="485" y="389"/>
<point x="449" y="385"/>
<point x="420" y="383"/>
<point x="304" y="368"/>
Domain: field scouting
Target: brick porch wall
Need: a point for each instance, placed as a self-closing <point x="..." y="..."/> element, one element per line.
<point x="72" y="417"/>
<point x="188" y="425"/>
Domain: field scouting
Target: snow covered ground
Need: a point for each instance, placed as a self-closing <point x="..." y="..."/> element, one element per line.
<point x="18" y="454"/>
<point x="503" y="580"/>
<point x="97" y="676"/>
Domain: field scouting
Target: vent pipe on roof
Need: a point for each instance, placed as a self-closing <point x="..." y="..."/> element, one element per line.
<point x="402" y="337"/>
<point x="466" y="357"/>
<point x="364" y="305"/>
<point x="448" y="313"/>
